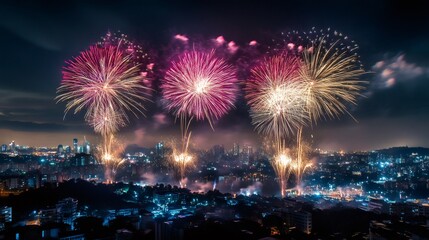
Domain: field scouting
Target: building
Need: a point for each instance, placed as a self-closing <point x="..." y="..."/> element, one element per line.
<point x="48" y="215"/>
<point x="302" y="220"/>
<point x="166" y="230"/>
<point x="12" y="146"/>
<point x="236" y="149"/>
<point x="5" y="216"/>
<point x="75" y="145"/>
<point x="4" y="148"/>
<point x="247" y="150"/>
<point x="377" y="205"/>
<point x="424" y="209"/>
<point x="82" y="159"/>
<point x="165" y="198"/>
<point x="403" y="210"/>
<point x="67" y="211"/>
<point x="68" y="149"/>
<point x="160" y="149"/>
<point x="86" y="147"/>
<point x="60" y="150"/>
<point x="218" y="150"/>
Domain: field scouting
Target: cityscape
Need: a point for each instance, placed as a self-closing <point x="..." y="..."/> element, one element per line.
<point x="388" y="188"/>
<point x="214" y="119"/>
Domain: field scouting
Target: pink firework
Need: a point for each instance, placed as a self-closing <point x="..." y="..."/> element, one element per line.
<point x="200" y="85"/>
<point x="105" y="82"/>
<point x="121" y="41"/>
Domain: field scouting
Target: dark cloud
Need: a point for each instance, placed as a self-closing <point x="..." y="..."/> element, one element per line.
<point x="37" y="127"/>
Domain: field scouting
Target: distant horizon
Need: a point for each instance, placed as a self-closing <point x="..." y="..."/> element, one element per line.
<point x="392" y="110"/>
<point x="226" y="146"/>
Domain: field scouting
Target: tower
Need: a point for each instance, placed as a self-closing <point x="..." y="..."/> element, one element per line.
<point x="236" y="149"/>
<point x="75" y="145"/>
<point x="60" y="149"/>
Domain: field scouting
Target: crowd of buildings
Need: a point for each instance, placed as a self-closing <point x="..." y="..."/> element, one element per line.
<point x="235" y="187"/>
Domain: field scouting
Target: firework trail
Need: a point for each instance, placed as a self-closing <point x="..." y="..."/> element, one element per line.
<point x="277" y="106"/>
<point x="301" y="161"/>
<point x="331" y="78"/>
<point x="313" y="75"/>
<point x="281" y="163"/>
<point x="110" y="154"/>
<point x="330" y="75"/>
<point x="198" y="85"/>
<point x="104" y="82"/>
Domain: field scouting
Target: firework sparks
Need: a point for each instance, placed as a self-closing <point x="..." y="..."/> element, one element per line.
<point x="330" y="75"/>
<point x="102" y="81"/>
<point x="331" y="79"/>
<point x="276" y="97"/>
<point x="313" y="75"/>
<point x="181" y="158"/>
<point x="128" y="47"/>
<point x="106" y="121"/>
<point x="200" y="85"/>
<point x="109" y="153"/>
<point x="301" y="161"/>
<point x="330" y="69"/>
<point x="282" y="166"/>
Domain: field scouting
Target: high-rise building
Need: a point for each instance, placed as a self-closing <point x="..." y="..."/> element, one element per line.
<point x="4" y="148"/>
<point x="75" y="146"/>
<point x="377" y="205"/>
<point x="5" y="216"/>
<point x="68" y="150"/>
<point x="236" y="149"/>
<point x="87" y="148"/>
<point x="12" y="146"/>
<point x="302" y="220"/>
<point x="247" y="150"/>
<point x="159" y="149"/>
<point x="60" y="150"/>
<point x="218" y="150"/>
<point x="67" y="210"/>
<point x="47" y="215"/>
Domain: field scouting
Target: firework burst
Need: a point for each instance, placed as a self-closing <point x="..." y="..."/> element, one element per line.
<point x="331" y="79"/>
<point x="109" y="154"/>
<point x="282" y="166"/>
<point x="106" y="121"/>
<point x="180" y="158"/>
<point x="200" y="85"/>
<point x="102" y="81"/>
<point x="276" y="96"/>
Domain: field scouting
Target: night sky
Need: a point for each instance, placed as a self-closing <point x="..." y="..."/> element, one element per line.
<point x="36" y="39"/>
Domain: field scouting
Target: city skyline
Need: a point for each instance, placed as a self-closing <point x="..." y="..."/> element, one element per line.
<point x="393" y="111"/>
<point x="214" y="119"/>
